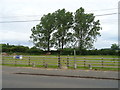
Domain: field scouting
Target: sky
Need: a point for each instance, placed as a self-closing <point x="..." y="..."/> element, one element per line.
<point x="18" y="33"/>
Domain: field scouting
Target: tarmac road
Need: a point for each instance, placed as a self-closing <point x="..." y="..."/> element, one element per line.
<point x="11" y="80"/>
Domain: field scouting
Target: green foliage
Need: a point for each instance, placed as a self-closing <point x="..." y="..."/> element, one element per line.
<point x="41" y="34"/>
<point x="66" y="51"/>
<point x="115" y="47"/>
<point x="20" y="49"/>
<point x="34" y="50"/>
<point x="86" y="29"/>
<point x="63" y="23"/>
<point x="61" y="28"/>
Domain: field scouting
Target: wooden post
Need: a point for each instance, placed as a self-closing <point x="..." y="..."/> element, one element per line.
<point x="113" y="60"/>
<point x="15" y="62"/>
<point x="33" y="64"/>
<point x="3" y="60"/>
<point x="46" y="65"/>
<point x="59" y="60"/>
<point x="68" y="61"/>
<point x="43" y="61"/>
<point x="90" y="66"/>
<point x="59" y="63"/>
<point x="84" y="62"/>
<point x="29" y="61"/>
<point x="102" y="62"/>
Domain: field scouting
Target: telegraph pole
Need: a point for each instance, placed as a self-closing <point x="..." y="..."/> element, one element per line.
<point x="75" y="65"/>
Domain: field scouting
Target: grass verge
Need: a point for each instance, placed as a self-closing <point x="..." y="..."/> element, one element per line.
<point x="70" y="67"/>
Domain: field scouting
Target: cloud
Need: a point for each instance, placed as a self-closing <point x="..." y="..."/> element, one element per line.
<point x="14" y="36"/>
<point x="102" y="43"/>
<point x="20" y="10"/>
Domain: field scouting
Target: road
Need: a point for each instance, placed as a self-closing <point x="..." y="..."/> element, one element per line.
<point x="11" y="80"/>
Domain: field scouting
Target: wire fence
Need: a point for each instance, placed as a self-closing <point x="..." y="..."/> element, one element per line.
<point x="63" y="61"/>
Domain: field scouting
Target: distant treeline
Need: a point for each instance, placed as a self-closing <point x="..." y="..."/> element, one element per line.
<point x="10" y="49"/>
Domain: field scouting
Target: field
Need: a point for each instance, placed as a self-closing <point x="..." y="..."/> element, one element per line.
<point x="71" y="62"/>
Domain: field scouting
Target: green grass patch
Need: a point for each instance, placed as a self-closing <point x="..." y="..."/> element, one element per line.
<point x="17" y="65"/>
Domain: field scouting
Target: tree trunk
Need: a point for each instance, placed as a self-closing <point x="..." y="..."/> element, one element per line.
<point x="62" y="42"/>
<point x="48" y="47"/>
<point x="48" y="43"/>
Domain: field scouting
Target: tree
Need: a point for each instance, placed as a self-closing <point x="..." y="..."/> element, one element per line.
<point x="115" y="47"/>
<point x="86" y="29"/>
<point x="41" y="34"/>
<point x="63" y="23"/>
<point x="12" y="48"/>
<point x="19" y="49"/>
<point x="34" y="50"/>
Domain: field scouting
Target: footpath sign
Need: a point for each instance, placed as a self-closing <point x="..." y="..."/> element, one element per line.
<point x="18" y="57"/>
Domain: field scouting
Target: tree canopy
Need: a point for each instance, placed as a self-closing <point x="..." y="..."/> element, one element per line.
<point x="86" y="29"/>
<point x="42" y="33"/>
<point x="62" y="28"/>
<point x="115" y="47"/>
<point x="63" y="23"/>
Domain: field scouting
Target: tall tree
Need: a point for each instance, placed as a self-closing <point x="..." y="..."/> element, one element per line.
<point x="86" y="29"/>
<point x="63" y="23"/>
<point x="41" y="34"/>
<point x="115" y="47"/>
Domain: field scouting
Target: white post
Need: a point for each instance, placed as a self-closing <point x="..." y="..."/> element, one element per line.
<point x="75" y="65"/>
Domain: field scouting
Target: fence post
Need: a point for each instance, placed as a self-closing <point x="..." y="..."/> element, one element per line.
<point x="90" y="66"/>
<point x="29" y="61"/>
<point x="15" y="62"/>
<point x="113" y="60"/>
<point x="59" y="62"/>
<point x="84" y="62"/>
<point x="46" y="65"/>
<point x="33" y="64"/>
<point x="102" y="62"/>
<point x="68" y="61"/>
<point x="43" y="61"/>
<point x="3" y="60"/>
<point x="75" y="65"/>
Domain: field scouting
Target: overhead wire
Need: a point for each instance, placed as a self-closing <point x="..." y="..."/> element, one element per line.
<point x="41" y="15"/>
<point x="107" y="14"/>
<point x="39" y="20"/>
<point x="19" y="21"/>
<point x="102" y="9"/>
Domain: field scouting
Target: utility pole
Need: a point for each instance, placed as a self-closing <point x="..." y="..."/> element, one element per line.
<point x="75" y="65"/>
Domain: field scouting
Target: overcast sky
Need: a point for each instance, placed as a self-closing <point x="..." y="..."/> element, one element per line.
<point x="18" y="33"/>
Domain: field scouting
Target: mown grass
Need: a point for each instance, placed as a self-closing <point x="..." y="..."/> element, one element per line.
<point x="71" y="67"/>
